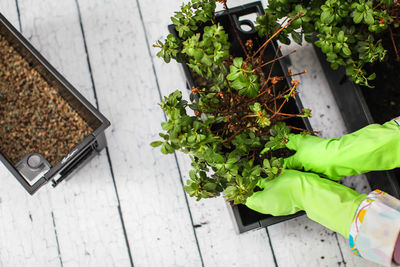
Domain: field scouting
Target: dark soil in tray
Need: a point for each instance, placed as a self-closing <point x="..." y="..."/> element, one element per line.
<point x="384" y="100"/>
<point x="33" y="115"/>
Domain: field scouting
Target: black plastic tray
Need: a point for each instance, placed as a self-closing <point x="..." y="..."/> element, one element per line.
<point x="82" y="152"/>
<point x="356" y="114"/>
<point x="245" y="218"/>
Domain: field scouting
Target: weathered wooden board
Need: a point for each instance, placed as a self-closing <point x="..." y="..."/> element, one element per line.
<point x="153" y="203"/>
<point x="9" y="9"/>
<point x="219" y="243"/>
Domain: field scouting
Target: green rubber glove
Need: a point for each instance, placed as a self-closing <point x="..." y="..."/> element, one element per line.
<point x="372" y="148"/>
<point x="331" y="204"/>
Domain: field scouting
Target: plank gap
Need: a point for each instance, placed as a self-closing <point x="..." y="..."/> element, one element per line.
<point x="272" y="248"/>
<point x="19" y="16"/>
<point x="121" y="217"/>
<point x="165" y="117"/>
<point x="340" y="249"/>
<point x="58" y="244"/>
<point x="86" y="52"/>
<point x="107" y="151"/>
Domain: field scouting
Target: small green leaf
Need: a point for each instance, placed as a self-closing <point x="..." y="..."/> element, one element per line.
<point x="237" y="62"/>
<point x="372" y="76"/>
<point x="210" y="186"/>
<point x="340" y="36"/>
<point x="164" y="136"/>
<point x="166" y="148"/>
<point x="192" y="174"/>
<point x="346" y="51"/>
<point x="203" y="117"/>
<point x="368" y="18"/>
<point x="327" y="17"/>
<point x="233" y="75"/>
<point x="266" y="164"/>
<point x="192" y="138"/>
<point x="357" y="17"/>
<point x="256" y="107"/>
<point x="156" y="143"/>
<point x="216" y="158"/>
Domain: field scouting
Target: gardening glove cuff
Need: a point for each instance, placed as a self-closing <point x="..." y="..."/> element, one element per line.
<point x="375" y="228"/>
<point x="374" y="147"/>
<point x="326" y="202"/>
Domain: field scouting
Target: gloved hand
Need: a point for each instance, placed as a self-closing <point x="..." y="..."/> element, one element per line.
<point x="326" y="202"/>
<point x="372" y="148"/>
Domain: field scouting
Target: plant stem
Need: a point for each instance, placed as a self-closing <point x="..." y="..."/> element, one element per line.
<point x="295" y="128"/>
<point x="236" y="133"/>
<point x="377" y="6"/>
<point x="234" y="28"/>
<point x="273" y="89"/>
<point x="270" y="72"/>
<point x="230" y="90"/>
<point x="260" y="94"/>
<point x="297" y="74"/>
<point x="287" y="115"/>
<point x="279" y="96"/>
<point x="279" y="109"/>
<point x="277" y="32"/>
<point x="291" y="92"/>
<point x="276" y="59"/>
<point x="303" y="130"/>
<point x="268" y="108"/>
<point x="248" y="116"/>
<point x="262" y="52"/>
<point x="394" y="44"/>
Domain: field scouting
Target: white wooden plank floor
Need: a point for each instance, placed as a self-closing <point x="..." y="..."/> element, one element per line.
<point x="127" y="207"/>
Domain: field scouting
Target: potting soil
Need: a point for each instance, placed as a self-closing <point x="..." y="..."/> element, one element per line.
<point x="33" y="115"/>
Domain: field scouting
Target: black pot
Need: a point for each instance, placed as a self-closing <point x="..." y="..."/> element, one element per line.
<point x="356" y="114"/>
<point x="245" y="218"/>
<point x="33" y="178"/>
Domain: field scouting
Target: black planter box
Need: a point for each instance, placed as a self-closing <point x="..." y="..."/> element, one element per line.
<point x="356" y="114"/>
<point x="245" y="218"/>
<point x="33" y="178"/>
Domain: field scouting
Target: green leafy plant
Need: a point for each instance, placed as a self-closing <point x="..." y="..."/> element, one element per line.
<point x="348" y="32"/>
<point x="233" y="125"/>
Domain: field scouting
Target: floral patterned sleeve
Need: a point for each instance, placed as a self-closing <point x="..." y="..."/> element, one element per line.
<point x="375" y="228"/>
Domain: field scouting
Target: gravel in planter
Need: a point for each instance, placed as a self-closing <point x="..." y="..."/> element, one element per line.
<point x="33" y="115"/>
